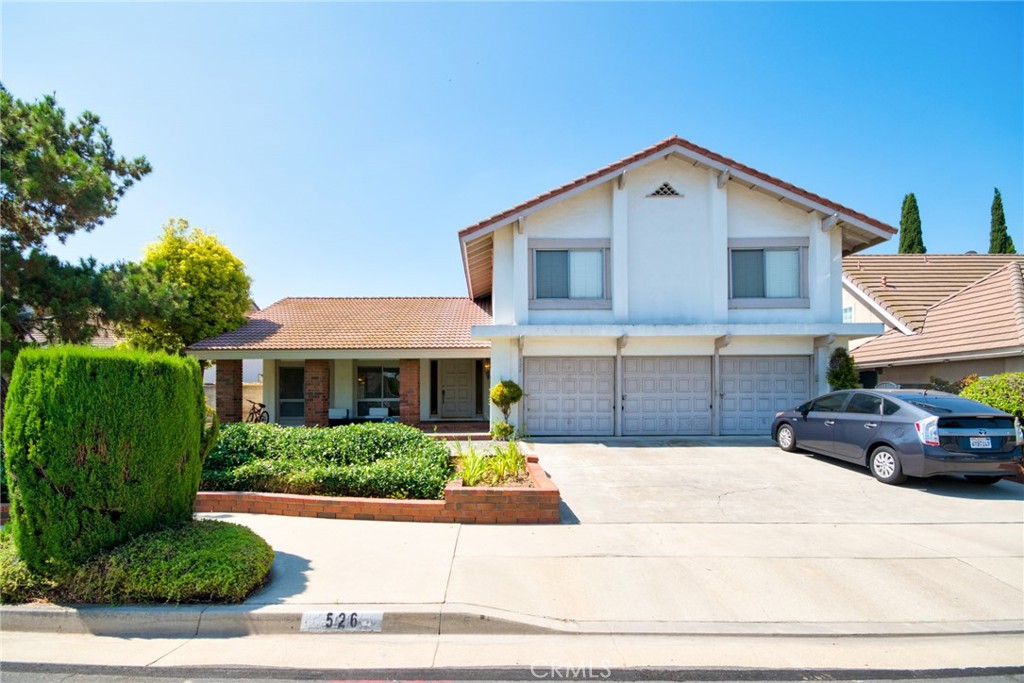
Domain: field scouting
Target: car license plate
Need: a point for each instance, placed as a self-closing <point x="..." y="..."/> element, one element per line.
<point x="981" y="442"/>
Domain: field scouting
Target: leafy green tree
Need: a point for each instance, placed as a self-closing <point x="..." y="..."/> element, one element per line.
<point x="999" y="241"/>
<point x="841" y="373"/>
<point x="202" y="286"/>
<point x="57" y="176"/>
<point x="911" y="241"/>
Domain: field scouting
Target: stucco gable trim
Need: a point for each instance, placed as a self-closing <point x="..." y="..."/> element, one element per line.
<point x="879" y="310"/>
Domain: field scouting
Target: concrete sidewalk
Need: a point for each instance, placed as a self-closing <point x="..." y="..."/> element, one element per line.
<point x="924" y="577"/>
<point x="683" y="579"/>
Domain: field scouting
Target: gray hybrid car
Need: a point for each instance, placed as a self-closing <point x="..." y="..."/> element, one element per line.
<point x="906" y="432"/>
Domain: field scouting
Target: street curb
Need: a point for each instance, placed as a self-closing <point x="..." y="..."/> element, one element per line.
<point x="189" y="621"/>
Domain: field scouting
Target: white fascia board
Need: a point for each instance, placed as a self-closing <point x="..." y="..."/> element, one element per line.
<point x="576" y="190"/>
<point x="689" y="154"/>
<point x="847" y="330"/>
<point x="463" y="247"/>
<point x="1009" y="352"/>
<point x="332" y="354"/>
<point x="879" y="310"/>
<point x="782" y="192"/>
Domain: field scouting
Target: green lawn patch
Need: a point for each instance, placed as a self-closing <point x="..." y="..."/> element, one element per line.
<point x="203" y="561"/>
<point x="371" y="460"/>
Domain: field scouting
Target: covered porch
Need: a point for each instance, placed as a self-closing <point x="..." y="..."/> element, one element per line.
<point x="446" y="391"/>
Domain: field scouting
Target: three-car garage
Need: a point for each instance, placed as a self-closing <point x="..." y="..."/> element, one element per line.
<point x="661" y="395"/>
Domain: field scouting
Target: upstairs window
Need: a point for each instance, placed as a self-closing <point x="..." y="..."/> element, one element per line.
<point x="569" y="276"/>
<point x="769" y="276"/>
<point x="847" y="314"/>
<point x="564" y="274"/>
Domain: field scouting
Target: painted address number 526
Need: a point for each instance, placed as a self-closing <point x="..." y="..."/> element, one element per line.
<point x="344" y="622"/>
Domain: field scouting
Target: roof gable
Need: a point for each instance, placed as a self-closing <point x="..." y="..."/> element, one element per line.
<point x="859" y="230"/>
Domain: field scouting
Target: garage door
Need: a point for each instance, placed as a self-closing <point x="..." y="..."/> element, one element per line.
<point x="666" y="395"/>
<point x="569" y="396"/>
<point x="754" y="388"/>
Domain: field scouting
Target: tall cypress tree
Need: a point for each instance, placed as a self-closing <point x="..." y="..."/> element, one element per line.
<point x="911" y="241"/>
<point x="999" y="240"/>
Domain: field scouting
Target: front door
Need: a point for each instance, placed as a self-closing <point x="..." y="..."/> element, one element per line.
<point x="457" y="397"/>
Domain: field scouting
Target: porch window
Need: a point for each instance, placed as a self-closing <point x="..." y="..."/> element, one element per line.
<point x="376" y="387"/>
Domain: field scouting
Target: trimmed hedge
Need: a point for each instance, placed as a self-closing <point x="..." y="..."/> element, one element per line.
<point x="1005" y="392"/>
<point x="370" y="460"/>
<point x="200" y="561"/>
<point x="101" y="445"/>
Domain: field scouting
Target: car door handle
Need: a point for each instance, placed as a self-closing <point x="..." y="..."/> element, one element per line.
<point x="829" y="423"/>
<point x="870" y="425"/>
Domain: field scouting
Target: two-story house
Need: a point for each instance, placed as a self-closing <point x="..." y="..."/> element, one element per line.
<point x="676" y="291"/>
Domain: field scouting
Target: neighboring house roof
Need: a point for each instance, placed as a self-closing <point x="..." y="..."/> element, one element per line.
<point x="357" y="323"/>
<point x="859" y="230"/>
<point x="905" y="286"/>
<point x="984" y="317"/>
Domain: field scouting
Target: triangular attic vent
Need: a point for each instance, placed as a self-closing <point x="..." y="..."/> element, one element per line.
<point x="665" y="190"/>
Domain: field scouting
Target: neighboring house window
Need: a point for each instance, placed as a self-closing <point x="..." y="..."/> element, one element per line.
<point x="569" y="274"/>
<point x="847" y="314"/>
<point x="376" y="387"/>
<point x="769" y="273"/>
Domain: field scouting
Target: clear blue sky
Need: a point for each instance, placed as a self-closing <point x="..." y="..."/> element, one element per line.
<point x="338" y="148"/>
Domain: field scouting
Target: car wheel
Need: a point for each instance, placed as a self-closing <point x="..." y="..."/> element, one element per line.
<point x="785" y="437"/>
<point x="886" y="467"/>
<point x="981" y="479"/>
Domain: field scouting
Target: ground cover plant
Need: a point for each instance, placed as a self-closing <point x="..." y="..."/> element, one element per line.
<point x="372" y="460"/>
<point x="500" y="465"/>
<point x="198" y="561"/>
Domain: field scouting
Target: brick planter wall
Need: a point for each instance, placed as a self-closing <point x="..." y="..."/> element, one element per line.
<point x="461" y="504"/>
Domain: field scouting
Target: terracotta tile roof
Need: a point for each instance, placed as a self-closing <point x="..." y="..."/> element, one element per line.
<point x="357" y="323"/>
<point x="986" y="315"/>
<point x="907" y="285"/>
<point x="674" y="141"/>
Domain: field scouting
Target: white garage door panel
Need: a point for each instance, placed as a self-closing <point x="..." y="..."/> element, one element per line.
<point x="569" y="396"/>
<point x="666" y="395"/>
<point x="754" y="388"/>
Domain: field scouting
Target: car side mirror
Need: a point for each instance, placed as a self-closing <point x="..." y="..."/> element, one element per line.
<point x="803" y="413"/>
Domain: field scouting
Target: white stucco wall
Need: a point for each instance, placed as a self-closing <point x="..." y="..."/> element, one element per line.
<point x="669" y="259"/>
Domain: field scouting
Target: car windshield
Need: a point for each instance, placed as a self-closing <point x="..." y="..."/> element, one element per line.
<point x="944" y="405"/>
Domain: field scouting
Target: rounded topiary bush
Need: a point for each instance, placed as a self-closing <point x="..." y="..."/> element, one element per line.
<point x="101" y="445"/>
<point x="1005" y="392"/>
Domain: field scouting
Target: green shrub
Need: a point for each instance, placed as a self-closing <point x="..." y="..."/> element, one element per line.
<point x="200" y="561"/>
<point x="841" y="373"/>
<point x="101" y="445"/>
<point x="1005" y="392"/>
<point x="502" y="431"/>
<point x="506" y="394"/>
<point x="372" y="460"/>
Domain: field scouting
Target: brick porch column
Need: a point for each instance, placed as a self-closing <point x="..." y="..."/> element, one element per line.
<point x="409" y="391"/>
<point x="229" y="391"/>
<point x="316" y="390"/>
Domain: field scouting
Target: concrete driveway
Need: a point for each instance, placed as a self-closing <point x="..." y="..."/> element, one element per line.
<point x="748" y="480"/>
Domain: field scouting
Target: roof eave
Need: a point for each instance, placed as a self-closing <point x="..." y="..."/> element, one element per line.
<point x="876" y="235"/>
